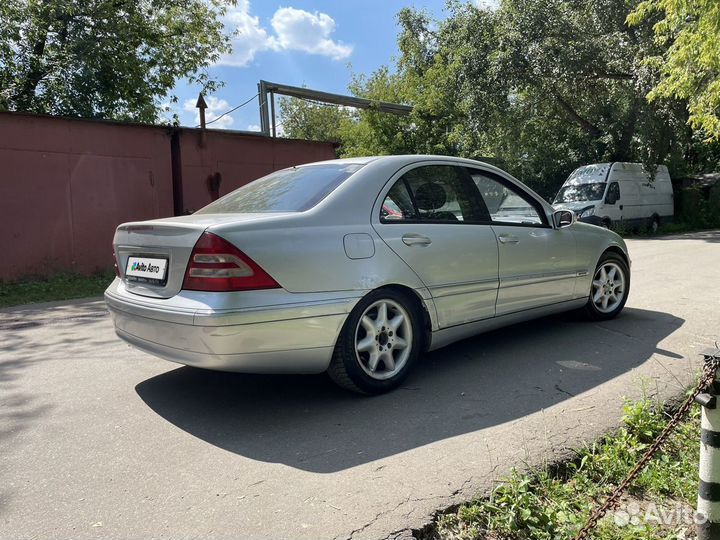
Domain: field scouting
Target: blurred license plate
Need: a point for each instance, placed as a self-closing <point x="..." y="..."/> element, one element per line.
<point x="146" y="269"/>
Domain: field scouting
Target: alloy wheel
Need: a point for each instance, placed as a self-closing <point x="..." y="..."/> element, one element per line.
<point x="608" y="287"/>
<point x="383" y="339"/>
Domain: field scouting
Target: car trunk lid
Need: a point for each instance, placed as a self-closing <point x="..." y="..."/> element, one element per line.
<point x="171" y="240"/>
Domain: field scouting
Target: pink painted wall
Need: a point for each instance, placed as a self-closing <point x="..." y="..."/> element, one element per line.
<point x="66" y="184"/>
<point x="239" y="159"/>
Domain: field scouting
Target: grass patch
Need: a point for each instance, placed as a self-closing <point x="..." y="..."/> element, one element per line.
<point x="554" y="502"/>
<point x="58" y="287"/>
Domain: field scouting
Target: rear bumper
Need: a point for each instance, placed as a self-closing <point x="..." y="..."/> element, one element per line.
<point x="282" y="336"/>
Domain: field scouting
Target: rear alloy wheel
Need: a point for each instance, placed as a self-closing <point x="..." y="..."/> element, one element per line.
<point x="610" y="288"/>
<point x="378" y="343"/>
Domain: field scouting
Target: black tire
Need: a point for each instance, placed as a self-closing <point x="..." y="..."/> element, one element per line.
<point x="595" y="312"/>
<point x="654" y="225"/>
<point x="345" y="367"/>
<point x="607" y="223"/>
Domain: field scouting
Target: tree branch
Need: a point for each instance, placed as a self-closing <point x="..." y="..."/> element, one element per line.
<point x="36" y="71"/>
<point x="588" y="126"/>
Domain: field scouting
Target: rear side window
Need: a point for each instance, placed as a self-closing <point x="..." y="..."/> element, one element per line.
<point x="434" y="193"/>
<point x="290" y="190"/>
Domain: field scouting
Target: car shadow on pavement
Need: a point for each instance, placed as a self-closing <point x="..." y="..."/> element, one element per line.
<point x="307" y="423"/>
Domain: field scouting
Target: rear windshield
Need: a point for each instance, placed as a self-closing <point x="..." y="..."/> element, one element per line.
<point x="290" y="190"/>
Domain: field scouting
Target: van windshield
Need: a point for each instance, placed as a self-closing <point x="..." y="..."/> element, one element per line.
<point x="581" y="192"/>
<point x="291" y="190"/>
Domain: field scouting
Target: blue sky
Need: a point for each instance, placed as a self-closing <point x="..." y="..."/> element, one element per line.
<point x="316" y="43"/>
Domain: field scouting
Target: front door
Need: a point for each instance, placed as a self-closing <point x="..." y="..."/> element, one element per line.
<point x="613" y="207"/>
<point x="537" y="263"/>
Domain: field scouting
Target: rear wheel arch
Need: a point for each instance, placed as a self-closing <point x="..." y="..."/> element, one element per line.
<point x="413" y="296"/>
<point x="346" y="366"/>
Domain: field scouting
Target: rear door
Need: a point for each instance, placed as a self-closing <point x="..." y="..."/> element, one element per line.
<point x="431" y="216"/>
<point x="537" y="263"/>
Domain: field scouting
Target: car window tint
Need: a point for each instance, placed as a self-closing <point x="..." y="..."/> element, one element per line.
<point x="444" y="193"/>
<point x="505" y="204"/>
<point x="291" y="190"/>
<point x="397" y="205"/>
<point x="614" y="192"/>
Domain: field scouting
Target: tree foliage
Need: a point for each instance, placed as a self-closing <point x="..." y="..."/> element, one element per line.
<point x="105" y="58"/>
<point x="305" y="119"/>
<point x="690" y="65"/>
<point x="539" y="87"/>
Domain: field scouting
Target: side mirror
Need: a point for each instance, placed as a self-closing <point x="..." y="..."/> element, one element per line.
<point x="563" y="218"/>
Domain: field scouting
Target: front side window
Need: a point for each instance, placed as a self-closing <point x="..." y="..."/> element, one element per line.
<point x="613" y="194"/>
<point x="433" y="193"/>
<point x="507" y="204"/>
<point x="291" y="190"/>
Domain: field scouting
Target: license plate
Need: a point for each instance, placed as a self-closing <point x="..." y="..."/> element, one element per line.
<point x="146" y="269"/>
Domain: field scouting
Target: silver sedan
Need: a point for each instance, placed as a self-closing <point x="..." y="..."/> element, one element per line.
<point x="356" y="267"/>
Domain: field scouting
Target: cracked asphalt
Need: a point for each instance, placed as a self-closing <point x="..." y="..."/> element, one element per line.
<point x="98" y="440"/>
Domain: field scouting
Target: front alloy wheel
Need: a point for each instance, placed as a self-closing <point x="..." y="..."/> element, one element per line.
<point x="610" y="287"/>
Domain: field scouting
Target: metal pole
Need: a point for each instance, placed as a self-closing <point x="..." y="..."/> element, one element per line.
<point x="272" y="112"/>
<point x="708" y="505"/>
<point x="264" y="115"/>
<point x="201" y="106"/>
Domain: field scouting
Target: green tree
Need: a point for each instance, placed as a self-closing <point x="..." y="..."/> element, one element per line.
<point x="690" y="65"/>
<point x="105" y="58"/>
<point x="538" y="86"/>
<point x="305" y="119"/>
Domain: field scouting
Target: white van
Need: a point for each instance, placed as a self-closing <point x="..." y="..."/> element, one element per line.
<point x="611" y="194"/>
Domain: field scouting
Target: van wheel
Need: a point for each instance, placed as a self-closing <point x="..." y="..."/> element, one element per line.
<point x="607" y="223"/>
<point x="654" y="224"/>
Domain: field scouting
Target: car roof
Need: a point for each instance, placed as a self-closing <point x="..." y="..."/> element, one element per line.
<point x="402" y="159"/>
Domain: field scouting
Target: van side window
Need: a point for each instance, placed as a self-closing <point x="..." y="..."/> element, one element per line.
<point x="613" y="194"/>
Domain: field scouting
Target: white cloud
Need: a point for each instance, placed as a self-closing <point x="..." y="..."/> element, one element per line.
<point x="294" y="30"/>
<point x="215" y="108"/>
<point x="248" y="36"/>
<point x="279" y="130"/>
<point x="300" y="30"/>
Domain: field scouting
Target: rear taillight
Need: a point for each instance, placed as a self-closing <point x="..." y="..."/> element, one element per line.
<point x="117" y="266"/>
<point x="216" y="265"/>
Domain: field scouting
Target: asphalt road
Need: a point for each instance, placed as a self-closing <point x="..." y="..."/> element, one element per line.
<point x="100" y="440"/>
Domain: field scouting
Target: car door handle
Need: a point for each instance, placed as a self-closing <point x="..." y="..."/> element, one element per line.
<point x="416" y="240"/>
<point x="621" y="207"/>
<point x="508" y="239"/>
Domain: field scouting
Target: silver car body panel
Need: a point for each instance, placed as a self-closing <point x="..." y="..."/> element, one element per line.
<point x="327" y="258"/>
